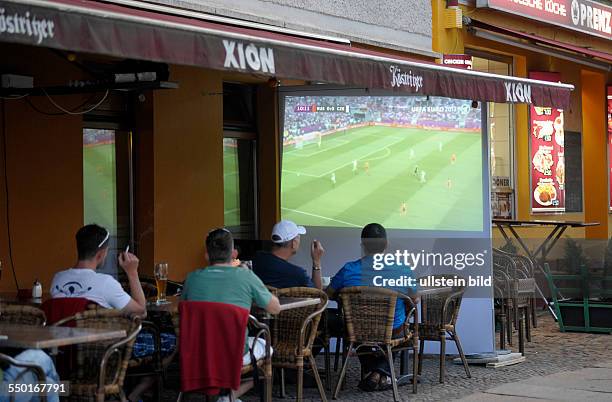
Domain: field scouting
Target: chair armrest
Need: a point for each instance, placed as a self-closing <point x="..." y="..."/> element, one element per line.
<point x="411" y="306"/>
<point x="38" y="371"/>
<point x="411" y="311"/>
<point x="262" y="329"/>
<point x="307" y="322"/>
<point x="114" y="348"/>
<point x="447" y="302"/>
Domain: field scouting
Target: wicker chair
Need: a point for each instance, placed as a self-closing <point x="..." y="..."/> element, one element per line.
<point x="521" y="269"/>
<point x="439" y="313"/>
<point x="264" y="366"/>
<point x="35" y="369"/>
<point x="500" y="283"/>
<point x="526" y="265"/>
<point x="368" y="315"/>
<point x="519" y="293"/>
<point x="151" y="365"/>
<point x="256" y="329"/>
<point x="293" y="334"/>
<point x="21" y="314"/>
<point x="101" y="366"/>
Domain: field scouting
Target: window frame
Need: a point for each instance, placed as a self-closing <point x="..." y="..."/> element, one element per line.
<point x="512" y="141"/>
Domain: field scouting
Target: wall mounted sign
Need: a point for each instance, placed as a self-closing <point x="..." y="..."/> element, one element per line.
<point x="463" y="61"/>
<point x="547" y="154"/>
<point x="590" y="17"/>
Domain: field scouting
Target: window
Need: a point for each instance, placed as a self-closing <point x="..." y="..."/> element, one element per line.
<point x="106" y="187"/>
<point x="501" y="139"/>
<point x="239" y="160"/>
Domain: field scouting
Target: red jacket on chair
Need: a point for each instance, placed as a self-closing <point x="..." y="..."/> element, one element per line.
<point x="211" y="345"/>
<point x="59" y="308"/>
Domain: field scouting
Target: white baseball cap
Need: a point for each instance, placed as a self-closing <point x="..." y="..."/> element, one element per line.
<point x="286" y="230"/>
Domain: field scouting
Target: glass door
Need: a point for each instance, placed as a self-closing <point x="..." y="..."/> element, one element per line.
<point x="107" y="187"/>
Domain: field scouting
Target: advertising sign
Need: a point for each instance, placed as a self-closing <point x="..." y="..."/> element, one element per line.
<point x="463" y="61"/>
<point x="61" y="25"/>
<point x="547" y="155"/>
<point x="590" y="17"/>
<point x="610" y="143"/>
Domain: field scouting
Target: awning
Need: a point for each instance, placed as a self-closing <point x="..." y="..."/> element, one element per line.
<point x="589" y="56"/>
<point x="120" y="31"/>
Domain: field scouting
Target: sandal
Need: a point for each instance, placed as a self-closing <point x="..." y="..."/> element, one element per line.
<point x="370" y="383"/>
<point x="384" y="383"/>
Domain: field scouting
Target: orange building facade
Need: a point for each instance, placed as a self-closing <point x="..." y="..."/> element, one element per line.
<point x="520" y="39"/>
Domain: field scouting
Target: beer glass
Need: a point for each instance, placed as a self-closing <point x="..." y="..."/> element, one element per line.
<point x="161" y="280"/>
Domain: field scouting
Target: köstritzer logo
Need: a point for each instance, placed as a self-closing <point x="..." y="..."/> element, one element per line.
<point x="401" y="78"/>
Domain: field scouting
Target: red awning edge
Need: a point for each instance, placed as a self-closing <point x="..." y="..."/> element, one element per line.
<point x="590" y="53"/>
<point x="114" y="30"/>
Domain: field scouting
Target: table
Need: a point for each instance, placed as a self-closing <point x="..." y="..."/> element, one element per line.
<point x="288" y="303"/>
<point x="32" y="337"/>
<point x="13" y="298"/>
<point x="171" y="305"/>
<point x="558" y="228"/>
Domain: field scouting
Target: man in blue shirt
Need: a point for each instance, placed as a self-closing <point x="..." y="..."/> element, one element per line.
<point x="361" y="272"/>
<point x="275" y="270"/>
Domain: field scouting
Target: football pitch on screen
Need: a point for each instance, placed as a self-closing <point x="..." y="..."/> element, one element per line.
<point x="99" y="185"/>
<point x="403" y="178"/>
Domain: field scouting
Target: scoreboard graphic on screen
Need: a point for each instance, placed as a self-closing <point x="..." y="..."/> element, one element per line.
<point x="314" y="108"/>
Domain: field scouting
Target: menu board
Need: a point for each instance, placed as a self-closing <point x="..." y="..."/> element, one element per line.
<point x="501" y="205"/>
<point x="547" y="155"/>
<point x="610" y="143"/>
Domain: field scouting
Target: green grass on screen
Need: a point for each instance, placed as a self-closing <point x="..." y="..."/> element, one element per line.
<point x="450" y="198"/>
<point x="99" y="185"/>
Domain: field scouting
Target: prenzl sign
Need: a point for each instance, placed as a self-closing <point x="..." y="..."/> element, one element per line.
<point x="590" y="17"/>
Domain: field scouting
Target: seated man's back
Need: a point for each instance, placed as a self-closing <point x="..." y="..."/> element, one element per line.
<point x="100" y="288"/>
<point x="83" y="281"/>
<point x="274" y="268"/>
<point x="223" y="283"/>
<point x="226" y="284"/>
<point x="279" y="273"/>
<point x="361" y="273"/>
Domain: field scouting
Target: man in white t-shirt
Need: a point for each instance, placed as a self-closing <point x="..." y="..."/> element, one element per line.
<point x="83" y="281"/>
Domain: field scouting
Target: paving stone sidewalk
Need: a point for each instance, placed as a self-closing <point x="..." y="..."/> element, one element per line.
<point x="593" y="384"/>
<point x="550" y="352"/>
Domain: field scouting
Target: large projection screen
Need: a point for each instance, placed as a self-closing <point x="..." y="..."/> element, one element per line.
<point x="417" y="165"/>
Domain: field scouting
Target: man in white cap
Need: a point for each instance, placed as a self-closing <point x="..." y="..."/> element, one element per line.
<point x="275" y="270"/>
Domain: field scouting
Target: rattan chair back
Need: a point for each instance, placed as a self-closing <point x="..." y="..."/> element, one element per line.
<point x="102" y="366"/>
<point x="289" y="324"/>
<point x="22" y="315"/>
<point x="442" y="309"/>
<point x="368" y="313"/>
